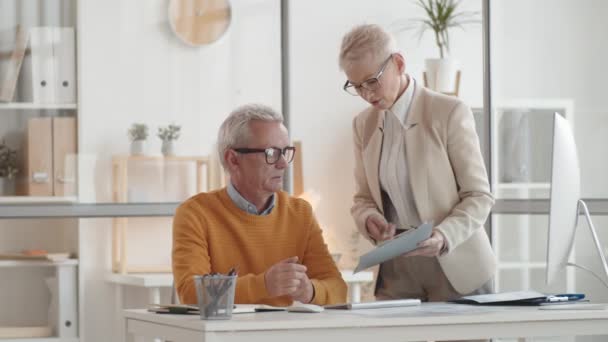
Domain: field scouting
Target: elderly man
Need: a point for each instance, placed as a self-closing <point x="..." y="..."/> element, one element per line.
<point x="271" y="238"/>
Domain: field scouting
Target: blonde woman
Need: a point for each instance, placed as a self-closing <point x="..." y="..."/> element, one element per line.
<point x="417" y="160"/>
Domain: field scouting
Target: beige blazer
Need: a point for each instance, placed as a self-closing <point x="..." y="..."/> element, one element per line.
<point x="448" y="178"/>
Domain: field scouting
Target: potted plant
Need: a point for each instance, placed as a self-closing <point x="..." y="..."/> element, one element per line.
<point x="138" y="133"/>
<point x="168" y="135"/>
<point x="440" y="17"/>
<point x="8" y="169"/>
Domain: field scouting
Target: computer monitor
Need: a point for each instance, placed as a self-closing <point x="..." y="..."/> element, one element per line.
<point x="566" y="203"/>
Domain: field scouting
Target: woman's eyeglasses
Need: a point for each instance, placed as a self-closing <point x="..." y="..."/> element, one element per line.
<point x="371" y="84"/>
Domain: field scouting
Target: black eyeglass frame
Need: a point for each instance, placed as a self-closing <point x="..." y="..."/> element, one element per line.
<point x="348" y="84"/>
<point x="269" y="152"/>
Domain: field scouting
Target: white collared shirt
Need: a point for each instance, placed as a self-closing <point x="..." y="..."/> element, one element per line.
<point x="247" y="206"/>
<point x="394" y="177"/>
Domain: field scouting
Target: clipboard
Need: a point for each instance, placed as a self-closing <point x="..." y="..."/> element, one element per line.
<point x="400" y="244"/>
<point x="520" y="298"/>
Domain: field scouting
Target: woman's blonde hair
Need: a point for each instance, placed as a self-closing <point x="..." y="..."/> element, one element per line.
<point x="363" y="41"/>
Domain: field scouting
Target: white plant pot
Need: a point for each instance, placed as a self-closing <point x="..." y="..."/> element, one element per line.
<point x="7" y="187"/>
<point x="138" y="147"/>
<point x="168" y="148"/>
<point x="441" y="74"/>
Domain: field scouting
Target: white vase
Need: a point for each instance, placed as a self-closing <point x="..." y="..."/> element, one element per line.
<point x="138" y="147"/>
<point x="168" y="148"/>
<point x="441" y="74"/>
<point x="7" y="186"/>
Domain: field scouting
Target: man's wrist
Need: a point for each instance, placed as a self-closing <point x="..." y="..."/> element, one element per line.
<point x="312" y="287"/>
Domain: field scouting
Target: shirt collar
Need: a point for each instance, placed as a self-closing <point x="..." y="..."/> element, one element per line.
<point x="247" y="206"/>
<point x="401" y="107"/>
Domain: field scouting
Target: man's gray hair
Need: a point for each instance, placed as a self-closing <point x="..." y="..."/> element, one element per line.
<point x="366" y="40"/>
<point x="234" y="131"/>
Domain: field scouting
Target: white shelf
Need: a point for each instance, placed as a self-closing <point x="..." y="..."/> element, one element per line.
<point x="142" y="279"/>
<point x="40" y="339"/>
<point x="37" y="199"/>
<point x="30" y="105"/>
<point x="37" y="263"/>
<point x="520" y="265"/>
<point x="151" y="280"/>
<point x="360" y="277"/>
<point x="523" y="186"/>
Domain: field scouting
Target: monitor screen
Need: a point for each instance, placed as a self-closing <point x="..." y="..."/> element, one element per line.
<point x="565" y="193"/>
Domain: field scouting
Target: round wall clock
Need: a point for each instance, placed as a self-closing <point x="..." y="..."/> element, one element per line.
<point x="199" y="22"/>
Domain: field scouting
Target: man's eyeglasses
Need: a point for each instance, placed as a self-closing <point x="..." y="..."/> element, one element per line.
<point x="371" y="84"/>
<point x="273" y="154"/>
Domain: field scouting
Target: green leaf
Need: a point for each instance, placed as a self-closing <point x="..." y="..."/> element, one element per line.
<point x="440" y="16"/>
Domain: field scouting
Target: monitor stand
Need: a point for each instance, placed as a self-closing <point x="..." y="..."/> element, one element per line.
<point x="582" y="205"/>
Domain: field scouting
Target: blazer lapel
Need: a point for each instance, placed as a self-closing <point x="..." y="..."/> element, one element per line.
<point x="371" y="161"/>
<point x="415" y="146"/>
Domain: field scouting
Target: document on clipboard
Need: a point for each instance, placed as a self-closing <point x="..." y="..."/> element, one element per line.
<point x="400" y="244"/>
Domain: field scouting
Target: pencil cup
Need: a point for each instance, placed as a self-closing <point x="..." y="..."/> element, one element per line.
<point x="215" y="295"/>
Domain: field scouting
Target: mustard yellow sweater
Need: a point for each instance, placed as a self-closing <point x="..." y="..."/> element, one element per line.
<point x="211" y="234"/>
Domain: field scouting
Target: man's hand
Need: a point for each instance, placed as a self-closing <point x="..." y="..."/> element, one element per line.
<point x="378" y="229"/>
<point x="285" y="277"/>
<point x="305" y="292"/>
<point x="430" y="247"/>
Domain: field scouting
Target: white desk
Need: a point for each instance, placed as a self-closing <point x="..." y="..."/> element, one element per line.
<point x="431" y="321"/>
<point x="154" y="282"/>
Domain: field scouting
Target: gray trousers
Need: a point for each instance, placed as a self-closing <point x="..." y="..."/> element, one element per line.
<point x="419" y="277"/>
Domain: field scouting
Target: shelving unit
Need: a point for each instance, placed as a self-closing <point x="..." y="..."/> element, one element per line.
<point x="65" y="324"/>
<point x="42" y="106"/>
<point x="38" y="263"/>
<point x="57" y="73"/>
<point x="523" y="145"/>
<point x="37" y="199"/>
<point x="42" y="339"/>
<point x="120" y="181"/>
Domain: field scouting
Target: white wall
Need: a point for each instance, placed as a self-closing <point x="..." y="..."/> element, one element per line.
<point x="133" y="69"/>
<point x="556" y="49"/>
<point x="322" y="113"/>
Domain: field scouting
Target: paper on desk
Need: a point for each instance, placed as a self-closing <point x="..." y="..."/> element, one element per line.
<point x="401" y="244"/>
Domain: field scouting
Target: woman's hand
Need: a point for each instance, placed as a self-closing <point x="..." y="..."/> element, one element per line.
<point x="378" y="229"/>
<point x="430" y="247"/>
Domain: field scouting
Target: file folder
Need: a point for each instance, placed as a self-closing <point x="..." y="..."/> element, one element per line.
<point x="64" y="156"/>
<point x="524" y="298"/>
<point x="65" y="65"/>
<point x="43" y="64"/>
<point x="39" y="166"/>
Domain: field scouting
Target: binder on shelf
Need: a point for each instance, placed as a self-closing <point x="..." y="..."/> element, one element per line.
<point x="51" y="157"/>
<point x="39" y="164"/>
<point x="53" y="64"/>
<point x="7" y="88"/>
<point x="65" y="65"/>
<point x="43" y="64"/>
<point x="64" y="156"/>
